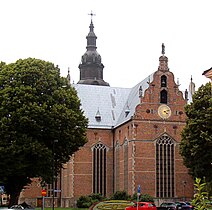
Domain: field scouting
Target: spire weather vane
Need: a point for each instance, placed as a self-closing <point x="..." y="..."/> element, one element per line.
<point x="92" y="14"/>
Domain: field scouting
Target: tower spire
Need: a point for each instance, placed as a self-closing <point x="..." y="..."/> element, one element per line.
<point x="91" y="37"/>
<point x="91" y="67"/>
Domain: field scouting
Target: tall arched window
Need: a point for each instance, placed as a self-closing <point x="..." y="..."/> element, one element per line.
<point x="126" y="165"/>
<point x="117" y="166"/>
<point x="99" y="168"/>
<point x="165" y="180"/>
<point x="163" y="96"/>
<point x="163" y="81"/>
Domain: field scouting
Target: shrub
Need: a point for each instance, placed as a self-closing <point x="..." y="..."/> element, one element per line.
<point x="84" y="202"/>
<point x="146" y="198"/>
<point x="135" y="197"/>
<point x="87" y="201"/>
<point x="120" y="195"/>
<point x="97" y="197"/>
<point x="143" y="197"/>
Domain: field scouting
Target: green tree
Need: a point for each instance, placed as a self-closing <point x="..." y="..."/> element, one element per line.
<point x="196" y="144"/>
<point x="38" y="110"/>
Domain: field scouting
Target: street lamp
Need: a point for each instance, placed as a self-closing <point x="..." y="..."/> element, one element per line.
<point x="53" y="172"/>
<point x="184" y="185"/>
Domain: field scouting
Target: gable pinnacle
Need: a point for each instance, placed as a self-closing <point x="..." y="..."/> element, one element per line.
<point x="163" y="65"/>
<point x="163" y="49"/>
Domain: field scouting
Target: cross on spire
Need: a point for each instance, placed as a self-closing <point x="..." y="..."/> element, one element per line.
<point x="92" y="14"/>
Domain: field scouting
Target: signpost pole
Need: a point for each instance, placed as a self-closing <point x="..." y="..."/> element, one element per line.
<point x="43" y="202"/>
<point x="138" y="194"/>
<point x="43" y="193"/>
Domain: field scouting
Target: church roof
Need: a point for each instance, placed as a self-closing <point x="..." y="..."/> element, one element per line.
<point x="108" y="107"/>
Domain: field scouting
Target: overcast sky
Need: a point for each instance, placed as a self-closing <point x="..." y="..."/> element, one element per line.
<point x="130" y="34"/>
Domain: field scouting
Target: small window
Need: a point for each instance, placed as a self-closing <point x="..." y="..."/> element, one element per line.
<point x="163" y="81"/>
<point x="98" y="116"/>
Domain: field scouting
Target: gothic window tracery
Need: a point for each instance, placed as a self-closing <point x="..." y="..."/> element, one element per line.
<point x="117" y="168"/>
<point x="126" y="165"/>
<point x="99" y="168"/>
<point x="165" y="166"/>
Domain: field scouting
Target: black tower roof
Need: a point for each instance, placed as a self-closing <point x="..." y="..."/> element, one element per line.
<point x="91" y="67"/>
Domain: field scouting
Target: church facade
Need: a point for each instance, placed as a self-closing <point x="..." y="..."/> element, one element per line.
<point x="133" y="136"/>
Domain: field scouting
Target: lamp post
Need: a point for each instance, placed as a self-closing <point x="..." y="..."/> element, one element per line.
<point x="53" y="172"/>
<point x="184" y="185"/>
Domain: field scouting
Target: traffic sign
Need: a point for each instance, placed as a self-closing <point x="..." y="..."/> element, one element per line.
<point x="57" y="190"/>
<point x="139" y="190"/>
<point x="43" y="192"/>
<point x="1" y="189"/>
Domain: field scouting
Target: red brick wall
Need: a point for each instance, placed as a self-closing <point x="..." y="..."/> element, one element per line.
<point x="141" y="133"/>
<point x="83" y="162"/>
<point x="144" y="129"/>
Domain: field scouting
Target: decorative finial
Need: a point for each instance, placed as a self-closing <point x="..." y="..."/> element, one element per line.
<point x="178" y="82"/>
<point x="186" y="95"/>
<point x="68" y="77"/>
<point x="163" y="49"/>
<point x="192" y="86"/>
<point x="140" y="91"/>
<point x="91" y="14"/>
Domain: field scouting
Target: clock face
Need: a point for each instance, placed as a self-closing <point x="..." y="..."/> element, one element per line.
<point x="164" y="111"/>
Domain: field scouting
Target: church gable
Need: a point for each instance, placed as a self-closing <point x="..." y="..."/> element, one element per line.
<point x="162" y="90"/>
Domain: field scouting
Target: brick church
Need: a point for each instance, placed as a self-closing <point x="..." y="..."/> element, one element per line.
<point x="133" y="136"/>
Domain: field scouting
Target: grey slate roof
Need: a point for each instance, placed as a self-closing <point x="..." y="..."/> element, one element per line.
<point x="110" y="103"/>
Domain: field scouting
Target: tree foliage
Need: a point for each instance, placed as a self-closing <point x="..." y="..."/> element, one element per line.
<point x="200" y="201"/>
<point x="38" y="110"/>
<point x="2" y="64"/>
<point x="196" y="144"/>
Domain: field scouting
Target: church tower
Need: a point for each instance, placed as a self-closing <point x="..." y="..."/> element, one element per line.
<point x="91" y="67"/>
